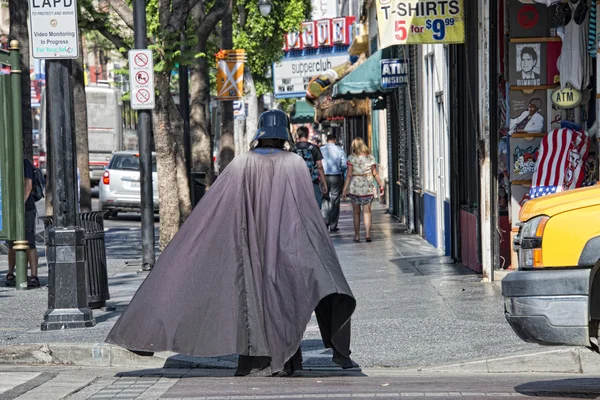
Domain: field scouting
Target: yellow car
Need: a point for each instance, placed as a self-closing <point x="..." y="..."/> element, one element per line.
<point x="554" y="297"/>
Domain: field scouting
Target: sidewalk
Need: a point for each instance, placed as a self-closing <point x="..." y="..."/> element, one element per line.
<point x="416" y="311"/>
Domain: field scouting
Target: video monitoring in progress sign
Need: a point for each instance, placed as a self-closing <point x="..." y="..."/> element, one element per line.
<point x="54" y="33"/>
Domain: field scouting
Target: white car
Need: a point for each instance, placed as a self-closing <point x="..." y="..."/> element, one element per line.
<point x="120" y="184"/>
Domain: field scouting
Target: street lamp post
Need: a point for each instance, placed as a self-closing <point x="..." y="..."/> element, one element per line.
<point x="67" y="292"/>
<point x="265" y="7"/>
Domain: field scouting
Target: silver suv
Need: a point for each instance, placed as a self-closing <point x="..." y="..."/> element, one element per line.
<point x="120" y="184"/>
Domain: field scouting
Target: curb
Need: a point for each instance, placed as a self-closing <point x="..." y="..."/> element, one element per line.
<point x="569" y="360"/>
<point x="566" y="360"/>
<point x="102" y="355"/>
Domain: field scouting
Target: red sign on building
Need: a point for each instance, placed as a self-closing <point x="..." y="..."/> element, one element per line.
<point x="309" y="34"/>
<point x="321" y="33"/>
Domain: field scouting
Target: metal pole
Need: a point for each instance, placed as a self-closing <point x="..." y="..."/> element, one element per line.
<point x="67" y="291"/>
<point x="184" y="108"/>
<point x="144" y="129"/>
<point x="20" y="245"/>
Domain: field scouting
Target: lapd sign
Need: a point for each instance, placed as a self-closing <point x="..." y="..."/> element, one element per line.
<point x="54" y="32"/>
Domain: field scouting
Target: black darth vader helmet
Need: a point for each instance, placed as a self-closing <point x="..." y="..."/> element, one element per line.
<point x="273" y="124"/>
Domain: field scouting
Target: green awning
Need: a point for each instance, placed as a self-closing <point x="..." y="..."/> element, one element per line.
<point x="303" y="113"/>
<point x="365" y="81"/>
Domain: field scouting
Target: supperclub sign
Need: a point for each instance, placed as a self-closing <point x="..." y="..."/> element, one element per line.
<point x="292" y="74"/>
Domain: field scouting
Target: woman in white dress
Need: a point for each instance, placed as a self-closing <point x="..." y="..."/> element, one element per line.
<point x="359" y="187"/>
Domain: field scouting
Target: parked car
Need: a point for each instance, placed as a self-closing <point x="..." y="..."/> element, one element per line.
<point x="120" y="184"/>
<point x="554" y="297"/>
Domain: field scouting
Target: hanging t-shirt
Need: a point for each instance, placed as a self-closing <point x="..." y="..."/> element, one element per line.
<point x="574" y="64"/>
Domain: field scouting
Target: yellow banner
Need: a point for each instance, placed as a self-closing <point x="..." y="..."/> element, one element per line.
<point x="230" y="74"/>
<point x="420" y="21"/>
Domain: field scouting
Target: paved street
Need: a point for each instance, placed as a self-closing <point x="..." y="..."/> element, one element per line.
<point x="417" y="314"/>
<point x="29" y="383"/>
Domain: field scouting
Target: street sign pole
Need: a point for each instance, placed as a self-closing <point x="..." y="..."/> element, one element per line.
<point x="144" y="129"/>
<point x="54" y="37"/>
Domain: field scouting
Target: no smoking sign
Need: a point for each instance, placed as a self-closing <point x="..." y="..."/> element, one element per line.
<point x="141" y="79"/>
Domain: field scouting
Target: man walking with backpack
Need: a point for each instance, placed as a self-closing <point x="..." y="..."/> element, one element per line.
<point x="32" y="189"/>
<point x="312" y="157"/>
<point x="334" y="164"/>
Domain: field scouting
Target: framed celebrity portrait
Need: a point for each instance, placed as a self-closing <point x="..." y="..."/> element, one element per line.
<point x="528" y="64"/>
<point x="528" y="111"/>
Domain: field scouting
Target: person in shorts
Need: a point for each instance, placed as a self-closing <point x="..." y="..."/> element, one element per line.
<point x="30" y="215"/>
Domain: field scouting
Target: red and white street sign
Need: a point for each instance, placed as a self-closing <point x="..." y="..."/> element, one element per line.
<point x="141" y="79"/>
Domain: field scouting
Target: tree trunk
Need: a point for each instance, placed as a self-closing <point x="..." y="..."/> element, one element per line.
<point x="227" y="151"/>
<point x="252" y="118"/>
<point x="81" y="131"/>
<point x="166" y="158"/>
<point x="183" y="187"/>
<point x="241" y="145"/>
<point x="18" y="14"/>
<point x="200" y="131"/>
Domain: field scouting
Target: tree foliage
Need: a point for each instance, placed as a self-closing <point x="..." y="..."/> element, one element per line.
<point x="262" y="37"/>
<point x="169" y="26"/>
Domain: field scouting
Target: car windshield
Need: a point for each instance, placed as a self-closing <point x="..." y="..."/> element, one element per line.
<point x="129" y="162"/>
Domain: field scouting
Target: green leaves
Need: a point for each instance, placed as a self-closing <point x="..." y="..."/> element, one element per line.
<point x="262" y="37"/>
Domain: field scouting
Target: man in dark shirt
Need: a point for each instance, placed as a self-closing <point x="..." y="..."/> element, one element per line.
<point x="319" y="184"/>
<point x="30" y="214"/>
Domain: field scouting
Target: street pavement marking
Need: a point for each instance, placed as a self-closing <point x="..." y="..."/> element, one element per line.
<point x="10" y="380"/>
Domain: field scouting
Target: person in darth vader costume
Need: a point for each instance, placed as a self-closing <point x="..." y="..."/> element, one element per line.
<point x="247" y="269"/>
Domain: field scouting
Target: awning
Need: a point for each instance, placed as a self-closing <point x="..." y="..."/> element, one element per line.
<point x="303" y="113"/>
<point x="365" y="81"/>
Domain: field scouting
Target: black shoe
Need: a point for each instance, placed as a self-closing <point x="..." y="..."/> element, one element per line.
<point x="33" y="282"/>
<point x="334" y="229"/>
<point x="10" y="280"/>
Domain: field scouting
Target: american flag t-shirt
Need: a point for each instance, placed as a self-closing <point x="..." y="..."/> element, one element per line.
<point x="561" y="161"/>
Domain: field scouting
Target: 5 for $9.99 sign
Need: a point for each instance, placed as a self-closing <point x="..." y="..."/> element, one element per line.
<point x="420" y="21"/>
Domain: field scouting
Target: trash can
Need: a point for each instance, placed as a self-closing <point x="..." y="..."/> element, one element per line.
<point x="96" y="271"/>
<point x="198" y="186"/>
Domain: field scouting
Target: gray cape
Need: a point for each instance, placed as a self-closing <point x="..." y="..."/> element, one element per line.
<point x="245" y="271"/>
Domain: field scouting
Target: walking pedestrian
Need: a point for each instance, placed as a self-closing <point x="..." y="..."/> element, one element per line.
<point x="359" y="185"/>
<point x="313" y="158"/>
<point x="247" y="269"/>
<point x="334" y="166"/>
<point x="30" y="214"/>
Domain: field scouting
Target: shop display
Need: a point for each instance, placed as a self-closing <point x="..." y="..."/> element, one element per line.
<point x="528" y="110"/>
<point x="561" y="162"/>
<point x="553" y="50"/>
<point x="554" y="114"/>
<point x="528" y="64"/>
<point x="519" y="196"/>
<point x="529" y="20"/>
<point x="524" y="154"/>
<point x="574" y="63"/>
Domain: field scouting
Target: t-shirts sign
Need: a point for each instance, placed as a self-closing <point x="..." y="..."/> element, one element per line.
<point x="420" y="21"/>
